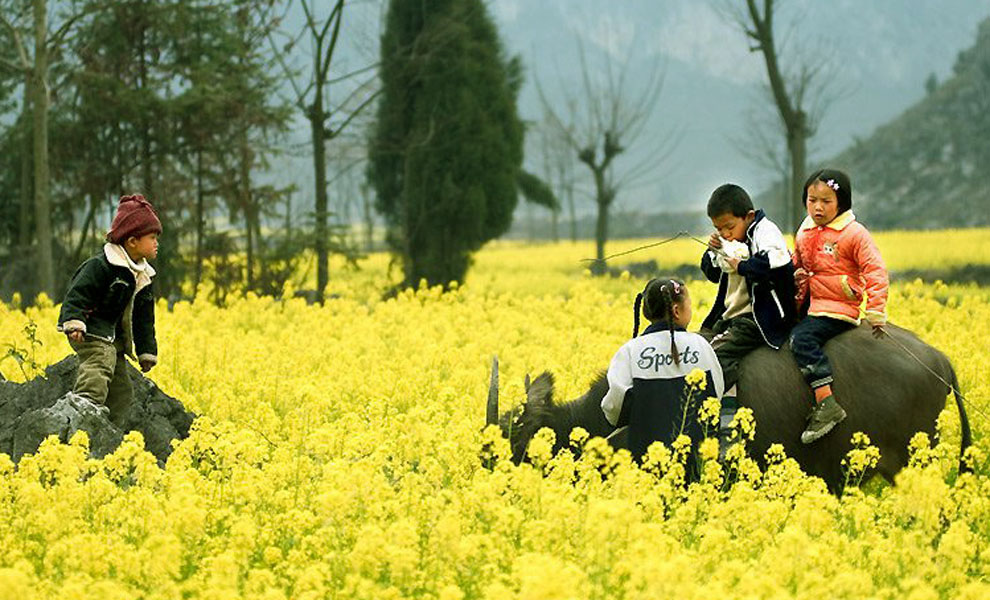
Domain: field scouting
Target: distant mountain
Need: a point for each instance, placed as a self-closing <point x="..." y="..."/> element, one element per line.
<point x="879" y="55"/>
<point x="930" y="167"/>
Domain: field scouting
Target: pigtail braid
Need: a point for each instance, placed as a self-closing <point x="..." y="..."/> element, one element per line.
<point x="636" y="305"/>
<point x="669" y="313"/>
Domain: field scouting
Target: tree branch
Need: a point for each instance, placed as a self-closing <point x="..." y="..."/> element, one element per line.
<point x="360" y="71"/>
<point x="356" y="112"/>
<point x="4" y="63"/>
<point x="18" y="43"/>
<point x="57" y="37"/>
<point x="300" y="95"/>
<point x="336" y="17"/>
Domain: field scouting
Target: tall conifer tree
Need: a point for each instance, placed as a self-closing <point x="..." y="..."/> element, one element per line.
<point x="447" y="145"/>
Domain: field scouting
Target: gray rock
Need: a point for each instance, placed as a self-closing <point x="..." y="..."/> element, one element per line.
<point x="69" y="414"/>
<point x="44" y="406"/>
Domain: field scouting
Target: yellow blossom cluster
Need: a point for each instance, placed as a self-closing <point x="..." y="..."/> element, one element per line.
<point x="341" y="452"/>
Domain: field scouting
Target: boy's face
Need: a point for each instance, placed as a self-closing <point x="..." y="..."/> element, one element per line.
<point x="821" y="202"/>
<point x="145" y="246"/>
<point x="731" y="227"/>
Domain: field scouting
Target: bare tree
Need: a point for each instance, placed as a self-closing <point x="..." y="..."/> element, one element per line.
<point x="798" y="92"/>
<point x="605" y="117"/>
<point x="558" y="171"/>
<point x="762" y="142"/>
<point x="313" y="98"/>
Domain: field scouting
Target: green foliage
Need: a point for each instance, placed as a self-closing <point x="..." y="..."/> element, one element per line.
<point x="536" y="191"/>
<point x="175" y="99"/>
<point x="447" y="146"/>
<point x="25" y="357"/>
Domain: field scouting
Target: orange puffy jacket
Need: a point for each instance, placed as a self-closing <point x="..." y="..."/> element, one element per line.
<point x="842" y="265"/>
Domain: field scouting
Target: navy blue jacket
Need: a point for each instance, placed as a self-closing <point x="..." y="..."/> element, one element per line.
<point x="769" y="281"/>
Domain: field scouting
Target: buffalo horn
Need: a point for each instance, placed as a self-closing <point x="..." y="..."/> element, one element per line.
<point x="491" y="414"/>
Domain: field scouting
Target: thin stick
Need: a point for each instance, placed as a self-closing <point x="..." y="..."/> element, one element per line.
<point x="679" y="234"/>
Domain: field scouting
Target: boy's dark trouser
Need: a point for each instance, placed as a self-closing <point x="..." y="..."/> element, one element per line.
<point x="102" y="376"/>
<point x="808" y="347"/>
<point x="732" y="340"/>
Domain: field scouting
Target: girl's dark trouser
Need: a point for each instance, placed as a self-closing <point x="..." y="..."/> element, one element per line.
<point x="808" y="347"/>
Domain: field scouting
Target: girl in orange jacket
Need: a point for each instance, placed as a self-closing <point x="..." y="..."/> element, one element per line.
<point x="837" y="267"/>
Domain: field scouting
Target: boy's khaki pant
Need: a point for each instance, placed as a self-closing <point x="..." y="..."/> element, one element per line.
<point x="102" y="376"/>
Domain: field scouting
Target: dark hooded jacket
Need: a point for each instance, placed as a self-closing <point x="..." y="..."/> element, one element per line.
<point x="106" y="301"/>
<point x="769" y="275"/>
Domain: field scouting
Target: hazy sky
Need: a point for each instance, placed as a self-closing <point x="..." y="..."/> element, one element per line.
<point x="877" y="55"/>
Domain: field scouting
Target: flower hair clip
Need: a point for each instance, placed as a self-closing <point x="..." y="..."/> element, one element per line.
<point x="676" y="286"/>
<point x="832" y="184"/>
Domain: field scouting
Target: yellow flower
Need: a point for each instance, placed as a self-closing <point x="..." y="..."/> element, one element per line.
<point x="708" y="414"/>
<point x="696" y="379"/>
<point x="341" y="450"/>
<point x="578" y="437"/>
<point x="744" y="423"/>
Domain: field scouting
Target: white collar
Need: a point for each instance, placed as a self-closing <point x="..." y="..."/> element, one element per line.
<point x="116" y="254"/>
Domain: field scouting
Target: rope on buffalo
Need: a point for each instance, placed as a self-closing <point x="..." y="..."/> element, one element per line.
<point x="937" y="376"/>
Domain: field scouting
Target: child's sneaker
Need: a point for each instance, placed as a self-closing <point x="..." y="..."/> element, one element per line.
<point x="827" y="415"/>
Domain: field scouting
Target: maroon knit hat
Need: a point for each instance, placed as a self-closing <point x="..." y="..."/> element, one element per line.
<point x="135" y="217"/>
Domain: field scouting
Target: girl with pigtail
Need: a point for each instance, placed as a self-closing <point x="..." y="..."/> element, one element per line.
<point x="647" y="376"/>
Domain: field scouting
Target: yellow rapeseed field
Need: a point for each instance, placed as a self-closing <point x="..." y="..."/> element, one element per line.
<point x="337" y="455"/>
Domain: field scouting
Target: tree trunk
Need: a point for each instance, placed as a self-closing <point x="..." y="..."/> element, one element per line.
<point x="573" y="214"/>
<point x="288" y="216"/>
<point x="603" y="199"/>
<point x="200" y="220"/>
<point x="247" y="205"/>
<point x="317" y="121"/>
<point x="369" y="222"/>
<point x="791" y="115"/>
<point x="25" y="123"/>
<point x="797" y="144"/>
<point x="601" y="236"/>
<point x="39" y="91"/>
<point x="84" y="232"/>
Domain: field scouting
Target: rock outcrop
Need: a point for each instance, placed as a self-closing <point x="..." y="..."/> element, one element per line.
<point x="31" y="411"/>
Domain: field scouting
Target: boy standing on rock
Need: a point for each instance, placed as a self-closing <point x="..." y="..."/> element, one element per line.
<point x="109" y="308"/>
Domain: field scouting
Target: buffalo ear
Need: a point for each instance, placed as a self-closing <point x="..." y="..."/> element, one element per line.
<point x="539" y="392"/>
<point x="526" y="383"/>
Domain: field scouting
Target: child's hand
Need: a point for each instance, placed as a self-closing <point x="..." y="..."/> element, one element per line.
<point x="714" y="241"/>
<point x="146" y="365"/>
<point x="76" y="336"/>
<point x="733" y="263"/>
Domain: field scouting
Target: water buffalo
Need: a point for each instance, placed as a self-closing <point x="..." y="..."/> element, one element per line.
<point x="886" y="392"/>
